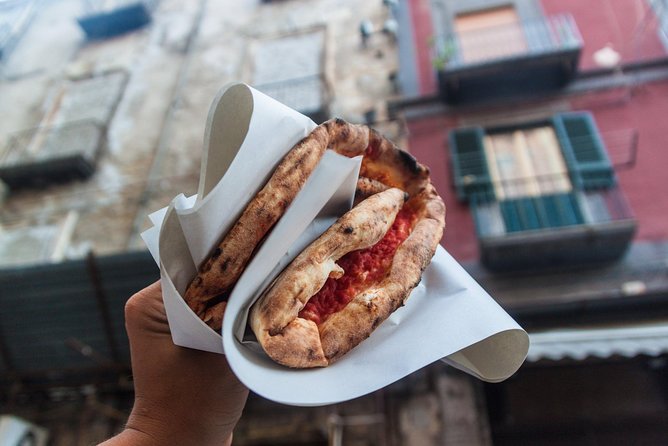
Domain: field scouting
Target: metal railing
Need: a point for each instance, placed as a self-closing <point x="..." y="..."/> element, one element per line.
<point x="545" y="203"/>
<point x="308" y="94"/>
<point x="41" y="144"/>
<point x="526" y="38"/>
<point x="620" y="146"/>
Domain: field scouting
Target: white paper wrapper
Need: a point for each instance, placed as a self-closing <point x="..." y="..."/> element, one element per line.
<point x="448" y="316"/>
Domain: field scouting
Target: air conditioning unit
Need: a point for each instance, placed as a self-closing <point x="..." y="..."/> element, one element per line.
<point x="15" y="431"/>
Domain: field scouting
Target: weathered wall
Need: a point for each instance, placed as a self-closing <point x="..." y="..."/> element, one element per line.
<point x="175" y="66"/>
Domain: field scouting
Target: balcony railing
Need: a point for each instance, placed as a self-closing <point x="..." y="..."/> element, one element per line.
<point x="588" y="158"/>
<point x="308" y="95"/>
<point x="528" y="38"/>
<point x="507" y="61"/>
<point x="561" y="226"/>
<point x="563" y="206"/>
<point x="52" y="153"/>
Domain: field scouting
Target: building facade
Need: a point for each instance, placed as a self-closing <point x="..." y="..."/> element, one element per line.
<point x="542" y="123"/>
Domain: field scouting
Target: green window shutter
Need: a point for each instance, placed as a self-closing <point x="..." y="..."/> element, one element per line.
<point x="520" y="214"/>
<point x="542" y="212"/>
<point x="560" y="210"/>
<point x="584" y="151"/>
<point x="469" y="164"/>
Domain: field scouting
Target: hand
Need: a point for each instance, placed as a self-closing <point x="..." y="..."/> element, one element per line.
<point x="182" y="396"/>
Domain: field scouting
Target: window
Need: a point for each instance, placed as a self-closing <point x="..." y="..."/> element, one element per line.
<point x="71" y="136"/>
<point x="526" y="163"/>
<point x="555" y="155"/>
<point x="490" y="34"/>
<point x="526" y="183"/>
<point x="291" y="70"/>
<point x="530" y="177"/>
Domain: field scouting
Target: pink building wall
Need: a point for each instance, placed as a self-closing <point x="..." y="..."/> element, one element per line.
<point x="617" y="113"/>
<point x="630" y="26"/>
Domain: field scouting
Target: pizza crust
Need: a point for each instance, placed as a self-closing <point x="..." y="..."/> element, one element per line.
<point x="274" y="318"/>
<point x="297" y="342"/>
<point x="207" y="293"/>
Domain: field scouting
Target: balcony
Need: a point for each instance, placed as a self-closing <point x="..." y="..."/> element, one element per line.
<point x="308" y="95"/>
<point x="505" y="61"/>
<point x="52" y="154"/>
<point x="544" y="193"/>
<point x="573" y="227"/>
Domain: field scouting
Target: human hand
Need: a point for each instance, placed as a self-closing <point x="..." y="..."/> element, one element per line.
<point x="182" y="396"/>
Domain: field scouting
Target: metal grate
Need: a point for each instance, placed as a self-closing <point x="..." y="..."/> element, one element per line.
<point x="52" y="154"/>
<point x="308" y="95"/>
<point x="550" y="211"/>
<point x="542" y="36"/>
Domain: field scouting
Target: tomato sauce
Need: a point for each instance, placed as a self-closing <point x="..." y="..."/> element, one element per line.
<point x="362" y="268"/>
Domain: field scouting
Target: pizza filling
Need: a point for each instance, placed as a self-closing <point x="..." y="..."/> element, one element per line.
<point x="363" y="268"/>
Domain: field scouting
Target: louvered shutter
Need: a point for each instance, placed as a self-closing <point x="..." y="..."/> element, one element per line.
<point x="469" y="165"/>
<point x="584" y="150"/>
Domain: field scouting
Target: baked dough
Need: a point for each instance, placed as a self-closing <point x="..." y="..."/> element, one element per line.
<point x="208" y="292"/>
<point x="300" y="342"/>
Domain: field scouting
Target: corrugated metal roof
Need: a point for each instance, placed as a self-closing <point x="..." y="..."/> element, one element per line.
<point x="579" y="344"/>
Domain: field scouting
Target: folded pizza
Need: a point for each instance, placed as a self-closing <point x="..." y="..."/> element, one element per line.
<point x="358" y="272"/>
<point x="209" y="290"/>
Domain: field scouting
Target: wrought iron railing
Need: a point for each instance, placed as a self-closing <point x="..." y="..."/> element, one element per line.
<point x="545" y="203"/>
<point x="621" y="147"/>
<point x="309" y="94"/>
<point x="491" y="44"/>
<point x="41" y="144"/>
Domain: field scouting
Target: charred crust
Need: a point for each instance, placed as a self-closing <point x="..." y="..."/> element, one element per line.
<point x="224" y="265"/>
<point x="216" y="253"/>
<point x="376" y="323"/>
<point x="348" y="230"/>
<point x="222" y="297"/>
<point x="410" y="162"/>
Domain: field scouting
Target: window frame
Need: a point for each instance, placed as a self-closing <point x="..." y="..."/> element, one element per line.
<point x="587" y="164"/>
